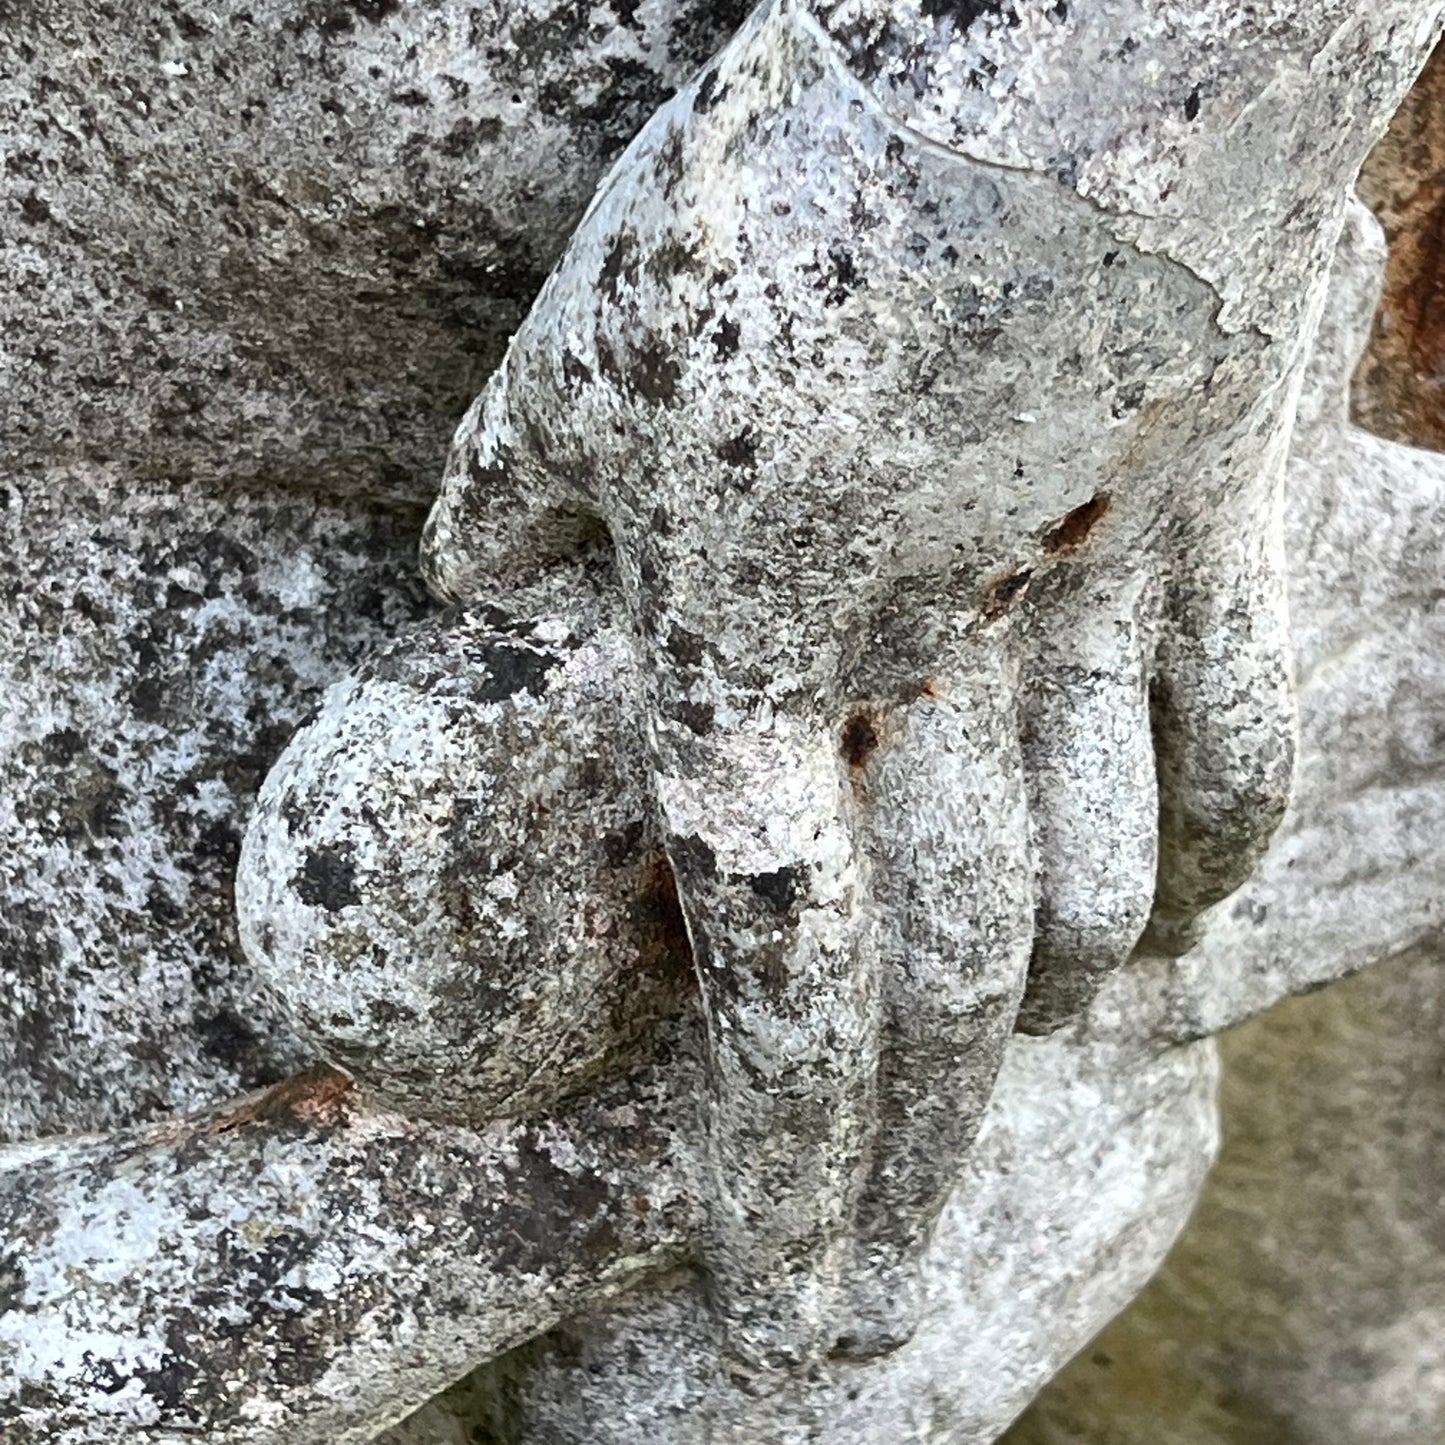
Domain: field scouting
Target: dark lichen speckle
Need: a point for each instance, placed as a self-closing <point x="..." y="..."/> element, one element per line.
<point x="327" y="880"/>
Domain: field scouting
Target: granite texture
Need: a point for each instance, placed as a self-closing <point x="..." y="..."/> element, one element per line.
<point x="256" y="275"/>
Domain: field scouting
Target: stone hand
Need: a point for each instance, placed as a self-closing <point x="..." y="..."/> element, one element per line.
<point x="947" y="526"/>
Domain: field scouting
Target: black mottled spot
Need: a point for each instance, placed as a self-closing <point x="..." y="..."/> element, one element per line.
<point x="466" y="133"/>
<point x="147" y="696"/>
<point x="64" y="745"/>
<point x="34" y="210"/>
<point x="845" y="277"/>
<point x="374" y="10"/>
<point x="654" y="375"/>
<point x="384" y="1011"/>
<point x="725" y="338"/>
<point x="692" y="857"/>
<point x="169" y="1383"/>
<point x="685" y="647"/>
<point x="697" y="717"/>
<point x="672" y="258"/>
<point x="218" y="844"/>
<point x="740" y="450"/>
<point x="512" y="668"/>
<point x="162" y="908"/>
<point x="12" y="1282"/>
<point x="619" y="264"/>
<point x="491" y="477"/>
<point x="101" y="1375"/>
<point x="1191" y="106"/>
<point x="668" y="166"/>
<point x="574" y="369"/>
<point x="963" y="13"/>
<point x="1129" y="399"/>
<point x="620" y="846"/>
<point x="327" y="880"/>
<point x="226" y="1036"/>
<point x="778" y="889"/>
<point x="708" y="94"/>
<point x="412" y="98"/>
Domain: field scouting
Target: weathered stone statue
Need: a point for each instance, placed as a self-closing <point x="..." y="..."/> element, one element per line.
<point x="873" y="563"/>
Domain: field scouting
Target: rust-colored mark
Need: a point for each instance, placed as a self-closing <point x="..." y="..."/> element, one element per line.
<point x="930" y="687"/>
<point x="319" y="1097"/>
<point x="1071" y="531"/>
<point x="860" y="740"/>
<point x="1003" y="592"/>
<point x="1399" y="390"/>
<point x="665" y="963"/>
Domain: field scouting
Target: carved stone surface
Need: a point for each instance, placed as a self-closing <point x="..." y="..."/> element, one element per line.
<point x="250" y="254"/>
<point x="1353" y="878"/>
<point x="963" y="462"/>
<point x="317" y="1261"/>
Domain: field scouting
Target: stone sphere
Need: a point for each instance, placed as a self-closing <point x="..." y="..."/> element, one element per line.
<point x="453" y="881"/>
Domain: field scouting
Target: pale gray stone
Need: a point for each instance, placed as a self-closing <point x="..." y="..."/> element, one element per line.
<point x="309" y="1266"/>
<point x="1364" y="806"/>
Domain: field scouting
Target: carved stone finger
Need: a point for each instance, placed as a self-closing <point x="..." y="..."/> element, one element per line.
<point x="769" y="884"/>
<point x="942" y="806"/>
<point x="1093" y="803"/>
<point x="1224" y="724"/>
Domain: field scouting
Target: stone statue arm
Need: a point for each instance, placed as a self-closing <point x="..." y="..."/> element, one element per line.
<point x="302" y="1265"/>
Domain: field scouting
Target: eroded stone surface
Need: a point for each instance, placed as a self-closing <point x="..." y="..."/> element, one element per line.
<point x="455" y="883"/>
<point x="160" y="646"/>
<point x="1370" y="777"/>
<point x="388" y="1327"/>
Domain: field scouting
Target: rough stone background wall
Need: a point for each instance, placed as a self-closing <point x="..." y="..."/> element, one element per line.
<point x="1306" y="1303"/>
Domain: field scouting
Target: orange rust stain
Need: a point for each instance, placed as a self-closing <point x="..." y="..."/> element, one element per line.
<point x="1075" y="528"/>
<point x="320" y="1096"/>
<point x="665" y="968"/>
<point x="1400" y="387"/>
